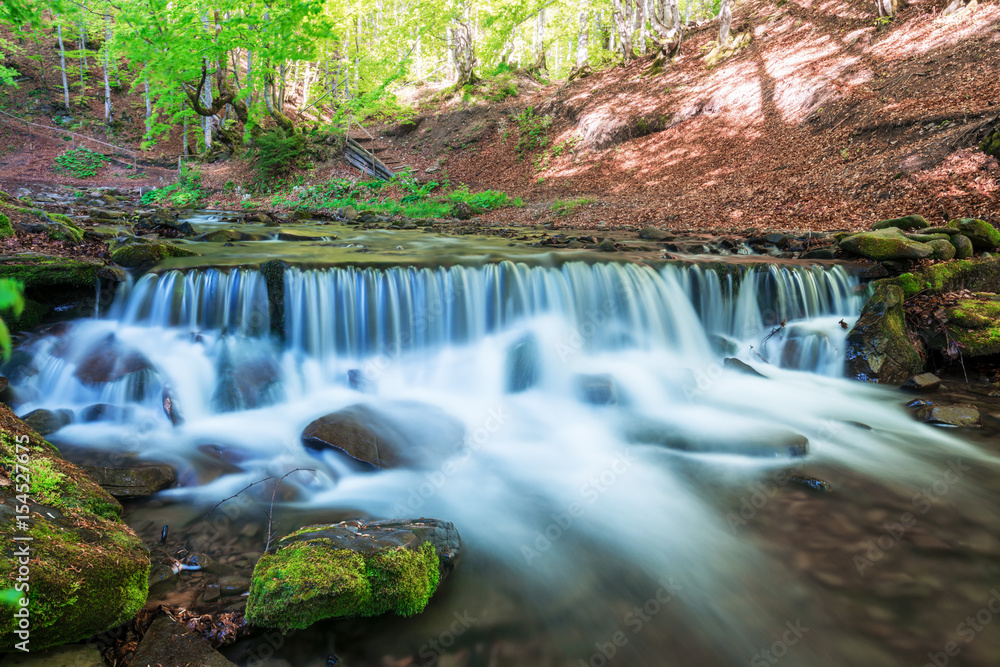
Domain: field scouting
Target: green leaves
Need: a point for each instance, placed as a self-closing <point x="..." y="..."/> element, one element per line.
<point x="81" y="162"/>
<point x="12" y="299"/>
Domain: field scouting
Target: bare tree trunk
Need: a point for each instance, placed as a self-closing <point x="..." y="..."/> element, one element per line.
<point x="539" y="43"/>
<point x="185" y="137"/>
<point x="249" y="77"/>
<point x="887" y="7"/>
<point x="583" y="36"/>
<point x="465" y="54"/>
<point x="108" y="111"/>
<point x="62" y="60"/>
<point x="621" y="16"/>
<point x="149" y="107"/>
<point x="668" y="29"/>
<point x="725" y="21"/>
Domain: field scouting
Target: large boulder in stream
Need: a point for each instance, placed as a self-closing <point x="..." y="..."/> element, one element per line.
<point x="879" y="349"/>
<point x="137" y="253"/>
<point x="88" y="572"/>
<point x="389" y="436"/>
<point x="351" y="569"/>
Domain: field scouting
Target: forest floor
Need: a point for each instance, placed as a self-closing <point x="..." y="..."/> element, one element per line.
<point x="827" y="120"/>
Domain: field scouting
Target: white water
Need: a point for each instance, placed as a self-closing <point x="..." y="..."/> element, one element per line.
<point x="546" y="486"/>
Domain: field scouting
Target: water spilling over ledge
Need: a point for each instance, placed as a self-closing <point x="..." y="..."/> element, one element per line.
<point x="605" y="453"/>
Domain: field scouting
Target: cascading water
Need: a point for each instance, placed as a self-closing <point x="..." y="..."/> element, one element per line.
<point x="607" y="447"/>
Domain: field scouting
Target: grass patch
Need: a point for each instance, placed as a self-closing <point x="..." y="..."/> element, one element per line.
<point x="570" y="206"/>
<point x="80" y="162"/>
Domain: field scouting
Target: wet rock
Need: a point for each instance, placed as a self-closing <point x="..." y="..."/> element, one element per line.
<point x="231" y="585"/>
<point x="168" y="642"/>
<point x="982" y="234"/>
<point x="607" y="246"/>
<point x="358" y="381"/>
<point x="44" y="421"/>
<point x="775" y="444"/>
<point x="100" y="412"/>
<point x="165" y="227"/>
<point x="87" y="568"/>
<point x="352" y="569"/>
<point x="219" y="236"/>
<point x="907" y="223"/>
<point x="211" y="593"/>
<point x="775" y="238"/>
<point x="885" y="244"/>
<point x="819" y="253"/>
<point x="655" y="234"/>
<point x="963" y="246"/>
<point x="923" y="383"/>
<point x="347" y="213"/>
<point x="735" y="364"/>
<point x="879" y="348"/>
<point x="137" y="482"/>
<point x="104" y="214"/>
<point x="813" y="484"/>
<point x="523" y="365"/>
<point x="596" y="389"/>
<point x="109" y="360"/>
<point x="942" y="250"/>
<point x="388" y="436"/>
<point x="949" y="415"/>
<point x="136" y="253"/>
<point x="75" y="655"/>
<point x="245" y="384"/>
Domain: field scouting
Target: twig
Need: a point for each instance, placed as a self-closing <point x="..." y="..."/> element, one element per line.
<point x="260" y="481"/>
<point x="763" y="343"/>
<point x="270" y="511"/>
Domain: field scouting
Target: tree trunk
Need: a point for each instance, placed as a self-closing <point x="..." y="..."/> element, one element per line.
<point x="184" y="133"/>
<point x="583" y="36"/>
<point x="539" y="43"/>
<point x="725" y="21"/>
<point x="668" y="30"/>
<point x="108" y="110"/>
<point x="621" y="15"/>
<point x="62" y="60"/>
<point x="465" y="54"/>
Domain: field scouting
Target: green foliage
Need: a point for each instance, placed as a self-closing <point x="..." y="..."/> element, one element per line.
<point x="12" y="299"/>
<point x="483" y="201"/>
<point x="278" y="153"/>
<point x="6" y="230"/>
<point x="81" y="162"/>
<point x="186" y="192"/>
<point x="570" y="206"/>
<point x="546" y="157"/>
<point x="533" y="131"/>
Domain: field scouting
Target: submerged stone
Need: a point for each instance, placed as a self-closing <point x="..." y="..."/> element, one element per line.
<point x="655" y="234"/>
<point x="523" y="365"/>
<point x="878" y="348"/>
<point x="734" y="364"/>
<point x="168" y="642"/>
<point x="772" y="444"/>
<point x="88" y="570"/>
<point x="45" y="422"/>
<point x="351" y="569"/>
<point x="596" y="389"/>
<point x="137" y="482"/>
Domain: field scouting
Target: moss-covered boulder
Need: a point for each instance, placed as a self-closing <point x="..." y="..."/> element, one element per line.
<point x="136" y="253"/>
<point x="38" y="270"/>
<point x="974" y="324"/>
<point x="983" y="235"/>
<point x="885" y="244"/>
<point x="963" y="246"/>
<point x="976" y="275"/>
<point x="907" y="223"/>
<point x="351" y="569"/>
<point x="943" y="249"/>
<point x="85" y="570"/>
<point x="879" y="349"/>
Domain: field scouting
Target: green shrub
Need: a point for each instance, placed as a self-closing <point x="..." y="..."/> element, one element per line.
<point x="81" y="162"/>
<point x="278" y="153"/>
<point x="568" y="206"/>
<point x="533" y="130"/>
<point x="186" y="192"/>
<point x="6" y="230"/>
<point x="11" y="298"/>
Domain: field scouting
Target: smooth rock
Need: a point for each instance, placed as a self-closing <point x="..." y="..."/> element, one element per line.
<point x="655" y="234"/>
<point x="885" y="244"/>
<point x="171" y="644"/>
<point x="137" y="482"/>
<point x="949" y="415"/>
<point x="943" y="250"/>
<point x="596" y="389"/>
<point x="907" y="222"/>
<point x="388" y="436"/>
<point x="983" y="235"/>
<point x="44" y="421"/>
<point x="734" y="364"/>
<point x="923" y="383"/>
<point x="523" y="365"/>
<point x="963" y="246"/>
<point x="110" y="360"/>
<point x="775" y="444"/>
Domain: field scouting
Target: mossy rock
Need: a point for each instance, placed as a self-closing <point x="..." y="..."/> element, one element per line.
<point x="879" y="349"/>
<point x="906" y="223"/>
<point x="974" y="324"/>
<point x="983" y="235"/>
<point x="885" y="244"/>
<point x="36" y="270"/>
<point x="139" y="253"/>
<point x="88" y="572"/>
<point x="351" y="569"/>
<point x="927" y="238"/>
<point x="943" y="249"/>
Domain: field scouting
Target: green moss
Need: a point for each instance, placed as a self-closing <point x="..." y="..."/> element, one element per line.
<point x="88" y="571"/>
<point x="310" y="580"/>
<point x="139" y="255"/>
<point x="6" y="230"/>
<point x="910" y="284"/>
<point x="885" y="244"/>
<point x="44" y="270"/>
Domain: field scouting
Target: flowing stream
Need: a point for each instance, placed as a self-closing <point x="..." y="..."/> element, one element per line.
<point x="621" y="490"/>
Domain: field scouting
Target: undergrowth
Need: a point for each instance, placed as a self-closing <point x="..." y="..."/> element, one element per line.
<point x="187" y="191"/>
<point x="81" y="162"/>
